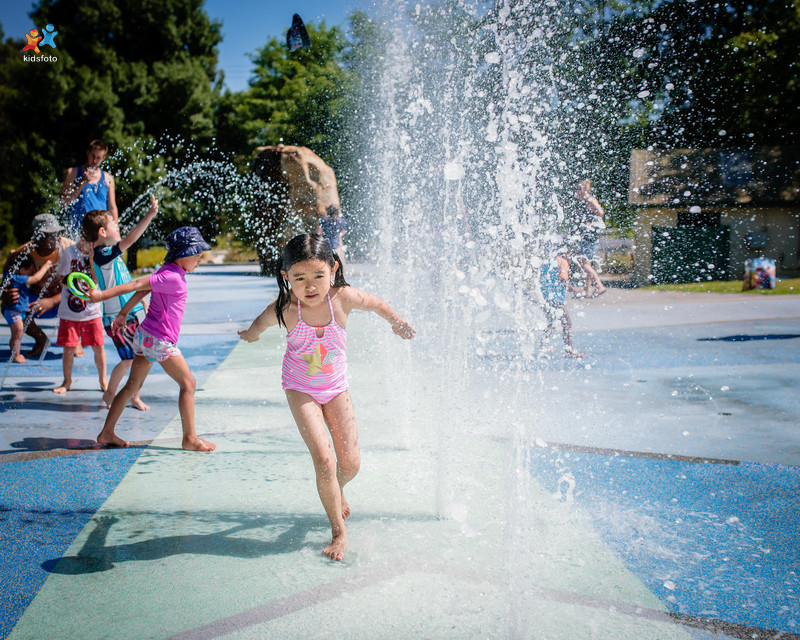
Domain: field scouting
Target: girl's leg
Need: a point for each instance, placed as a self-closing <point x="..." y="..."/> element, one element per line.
<point x="341" y="419"/>
<point x="549" y="315"/>
<point x="311" y="423"/>
<point x="100" y="363"/>
<point x="66" y="364"/>
<point x="16" y="342"/>
<point x="593" y="278"/>
<point x="139" y="370"/>
<point x="178" y="370"/>
<point x="117" y="373"/>
<point x="566" y="324"/>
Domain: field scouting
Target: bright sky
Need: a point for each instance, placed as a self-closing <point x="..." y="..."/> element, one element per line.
<point x="246" y="25"/>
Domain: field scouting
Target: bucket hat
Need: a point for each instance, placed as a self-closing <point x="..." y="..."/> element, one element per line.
<point x="185" y="242"/>
<point x="46" y="223"/>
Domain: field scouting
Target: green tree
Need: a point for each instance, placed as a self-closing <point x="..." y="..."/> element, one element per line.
<point x="708" y="73"/>
<point x="137" y="74"/>
<point x="294" y="97"/>
<point x="8" y="94"/>
<point x="668" y="73"/>
<point x="305" y="97"/>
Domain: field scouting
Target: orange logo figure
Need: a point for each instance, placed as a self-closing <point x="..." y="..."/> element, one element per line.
<point x="33" y="41"/>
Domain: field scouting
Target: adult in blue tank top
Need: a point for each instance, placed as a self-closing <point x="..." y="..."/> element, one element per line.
<point x="88" y="187"/>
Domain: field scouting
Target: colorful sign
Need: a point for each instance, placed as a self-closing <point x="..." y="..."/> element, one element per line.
<point x="759" y="273"/>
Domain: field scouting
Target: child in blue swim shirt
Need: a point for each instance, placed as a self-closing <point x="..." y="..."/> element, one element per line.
<point x="100" y="228"/>
<point x="554" y="281"/>
<point x="15" y="314"/>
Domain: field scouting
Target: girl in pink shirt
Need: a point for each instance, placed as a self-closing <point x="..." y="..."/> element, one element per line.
<point x="157" y="336"/>
<point x="313" y="304"/>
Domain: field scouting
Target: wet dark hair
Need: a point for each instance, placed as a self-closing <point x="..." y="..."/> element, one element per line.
<point x="308" y="246"/>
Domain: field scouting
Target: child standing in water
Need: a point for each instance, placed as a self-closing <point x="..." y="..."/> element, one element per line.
<point x="313" y="304"/>
<point x="157" y="336"/>
<point x="554" y="280"/>
<point x="15" y="313"/>
<point x="101" y="229"/>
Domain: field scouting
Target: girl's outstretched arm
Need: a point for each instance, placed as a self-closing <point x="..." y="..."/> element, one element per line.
<point x="142" y="284"/>
<point x="357" y="299"/>
<point x="266" y="319"/>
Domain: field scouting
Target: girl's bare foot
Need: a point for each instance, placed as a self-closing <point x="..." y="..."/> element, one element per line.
<point x="345" y="508"/>
<point x="572" y="353"/>
<point x="111" y="441"/>
<point x="108" y="398"/>
<point x="137" y="403"/>
<point x="335" y="550"/>
<point x="197" y="444"/>
<point x="20" y="359"/>
<point x="64" y="387"/>
<point x="79" y="352"/>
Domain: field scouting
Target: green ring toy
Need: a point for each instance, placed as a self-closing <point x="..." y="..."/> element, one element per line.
<point x="79" y="283"/>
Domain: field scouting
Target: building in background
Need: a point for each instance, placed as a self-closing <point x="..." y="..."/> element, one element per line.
<point x="700" y="213"/>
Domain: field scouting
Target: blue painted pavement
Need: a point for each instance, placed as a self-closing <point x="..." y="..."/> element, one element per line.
<point x="714" y="540"/>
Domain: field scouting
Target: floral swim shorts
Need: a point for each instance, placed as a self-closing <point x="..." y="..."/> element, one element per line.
<point x="153" y="349"/>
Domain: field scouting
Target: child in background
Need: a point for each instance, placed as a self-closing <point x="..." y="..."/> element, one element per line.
<point x="332" y="227"/>
<point x="15" y="314"/>
<point x="313" y="304"/>
<point x="46" y="244"/>
<point x="589" y="221"/>
<point x="158" y="334"/>
<point x="554" y="280"/>
<point x="102" y="230"/>
<point x="78" y="320"/>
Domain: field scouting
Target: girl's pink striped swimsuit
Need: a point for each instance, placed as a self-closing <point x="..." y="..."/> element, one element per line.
<point x="313" y="365"/>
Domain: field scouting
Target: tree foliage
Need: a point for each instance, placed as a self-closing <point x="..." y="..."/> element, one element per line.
<point x="292" y="98"/>
<point x="612" y="75"/>
<point x="669" y="73"/>
<point x="709" y="73"/>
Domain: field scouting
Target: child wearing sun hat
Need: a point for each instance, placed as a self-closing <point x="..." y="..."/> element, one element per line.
<point x="157" y="336"/>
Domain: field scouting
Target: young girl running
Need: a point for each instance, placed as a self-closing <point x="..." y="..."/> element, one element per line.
<point x="313" y="304"/>
<point x="157" y="336"/>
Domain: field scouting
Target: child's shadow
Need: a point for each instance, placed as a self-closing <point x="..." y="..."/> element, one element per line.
<point x="96" y="556"/>
<point x="42" y="443"/>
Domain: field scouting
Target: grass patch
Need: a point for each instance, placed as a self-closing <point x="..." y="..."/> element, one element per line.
<point x="238" y="252"/>
<point x="150" y="257"/>
<point x="784" y="286"/>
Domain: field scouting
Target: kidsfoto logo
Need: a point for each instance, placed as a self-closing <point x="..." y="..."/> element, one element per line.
<point x="35" y="41"/>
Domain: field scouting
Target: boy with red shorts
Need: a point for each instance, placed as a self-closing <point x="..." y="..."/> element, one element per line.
<point x="79" y="321"/>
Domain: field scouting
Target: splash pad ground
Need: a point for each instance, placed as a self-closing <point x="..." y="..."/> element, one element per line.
<point x="661" y="489"/>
